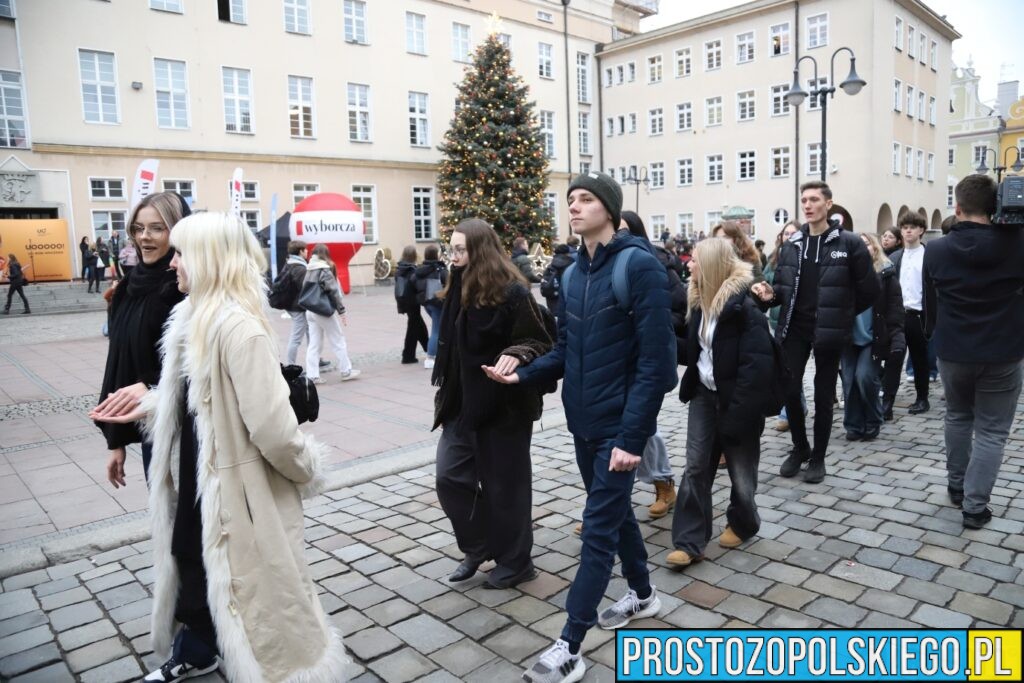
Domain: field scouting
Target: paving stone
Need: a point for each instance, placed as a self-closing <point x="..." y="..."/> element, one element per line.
<point x="58" y="586"/>
<point x="890" y="603"/>
<point x="516" y="643"/>
<point x="97" y="653"/>
<point x="938" y="617"/>
<point x="814" y="560"/>
<point x="66" y="569"/>
<point x="138" y="627"/>
<point x="113" y="555"/>
<point x="999" y="572"/>
<point x="789" y="596"/>
<point x="835" y="612"/>
<point x="784" y="618"/>
<point x="100" y="571"/>
<point x="841" y="549"/>
<point x="74" y="615"/>
<point x="368" y="596"/>
<point x="866" y="576"/>
<point x="440" y="676"/>
<point x="741" y="561"/>
<point x="422" y="590"/>
<point x="132" y="610"/>
<point x="392" y="611"/>
<point x="833" y="587"/>
<point x="773" y="550"/>
<point x="125" y="669"/>
<point x="55" y="673"/>
<point x="372" y="642"/>
<point x="75" y="638"/>
<point x="17" y="602"/>
<point x="1012" y="594"/>
<point x="65" y="598"/>
<point x="743" y="607"/>
<point x="122" y="595"/>
<point x="691" y="616"/>
<point x="746" y="584"/>
<point x="449" y="605"/>
<point x="965" y="581"/>
<point x="496" y="670"/>
<point x="28" y="659"/>
<point x="26" y="580"/>
<point x="22" y="622"/>
<point x="345" y="584"/>
<point x="526" y="609"/>
<point x="865" y="537"/>
<point x="943" y="556"/>
<point x="875" y="557"/>
<point x="425" y="633"/>
<point x="416" y="556"/>
<point x="349" y="621"/>
<point x="702" y="594"/>
<point x="111" y="580"/>
<point x="404" y="665"/>
<point x="925" y="591"/>
<point x="877" y="620"/>
<point x="920" y="569"/>
<point x="462" y="657"/>
<point x="480" y="622"/>
<point x="982" y="608"/>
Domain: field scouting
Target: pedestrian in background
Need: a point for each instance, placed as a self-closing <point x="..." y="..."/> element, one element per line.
<point x="83" y="247"/>
<point x="16" y="282"/>
<point x="405" y="298"/>
<point x="102" y="259"/>
<point x="431" y="278"/>
<point x="128" y="258"/>
<point x="891" y="241"/>
<point x="731" y="231"/>
<point x="115" y="255"/>
<point x="909" y="262"/>
<point x="521" y="259"/>
<point x="322" y="276"/>
<point x="92" y="266"/>
<point x="295" y="269"/>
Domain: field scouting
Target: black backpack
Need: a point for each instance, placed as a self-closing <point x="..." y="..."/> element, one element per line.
<point x="775" y="392"/>
<point x="549" y="282"/>
<point x="405" y="292"/>
<point x="301" y="393"/>
<point x="284" y="290"/>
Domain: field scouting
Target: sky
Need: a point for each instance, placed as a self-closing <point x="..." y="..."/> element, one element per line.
<point x="984" y="24"/>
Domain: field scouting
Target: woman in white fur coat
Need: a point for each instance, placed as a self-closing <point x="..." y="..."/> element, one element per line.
<point x="227" y="477"/>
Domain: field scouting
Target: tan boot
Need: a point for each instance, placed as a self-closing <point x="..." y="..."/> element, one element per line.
<point x="681" y="558"/>
<point x="729" y="539"/>
<point x="665" y="498"/>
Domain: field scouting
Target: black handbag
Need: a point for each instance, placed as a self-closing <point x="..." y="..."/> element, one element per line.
<point x="314" y="299"/>
<point x="301" y="393"/>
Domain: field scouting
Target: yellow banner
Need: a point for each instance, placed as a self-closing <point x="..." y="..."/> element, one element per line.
<point x="41" y="246"/>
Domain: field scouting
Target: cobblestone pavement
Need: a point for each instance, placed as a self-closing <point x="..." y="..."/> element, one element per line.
<point x="875" y="545"/>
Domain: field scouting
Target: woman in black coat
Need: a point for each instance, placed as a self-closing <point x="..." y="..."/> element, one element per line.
<point x="139" y="308"/>
<point x="484" y="474"/>
<point x="877" y="336"/>
<point x="83" y="247"/>
<point x="730" y="363"/>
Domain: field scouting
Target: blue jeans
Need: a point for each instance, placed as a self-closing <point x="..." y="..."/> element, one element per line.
<point x="609" y="528"/>
<point x="862" y="380"/>
<point x="435" y="329"/>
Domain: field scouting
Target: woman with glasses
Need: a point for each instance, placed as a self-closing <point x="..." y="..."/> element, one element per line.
<point x="140" y="306"/>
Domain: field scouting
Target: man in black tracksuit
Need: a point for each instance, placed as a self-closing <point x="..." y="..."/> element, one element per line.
<point x="824" y="278"/>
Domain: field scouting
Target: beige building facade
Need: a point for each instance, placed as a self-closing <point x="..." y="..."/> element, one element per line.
<point x="697" y="113"/>
<point x="349" y="96"/>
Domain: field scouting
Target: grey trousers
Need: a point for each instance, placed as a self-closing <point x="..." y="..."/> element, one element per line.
<point x="299" y="334"/>
<point x="981" y="401"/>
<point x="654" y="464"/>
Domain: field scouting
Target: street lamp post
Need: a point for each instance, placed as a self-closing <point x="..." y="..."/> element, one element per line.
<point x="636" y="180"/>
<point x="1017" y="167"/>
<point x="851" y="86"/>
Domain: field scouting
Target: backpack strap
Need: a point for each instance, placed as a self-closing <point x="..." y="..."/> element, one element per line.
<point x="620" y="278"/>
<point x="567" y="277"/>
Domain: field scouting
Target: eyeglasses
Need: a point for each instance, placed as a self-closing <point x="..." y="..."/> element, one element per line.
<point x="459" y="250"/>
<point x="154" y="229"/>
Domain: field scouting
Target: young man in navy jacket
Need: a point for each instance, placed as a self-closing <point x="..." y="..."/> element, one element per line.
<point x="617" y="358"/>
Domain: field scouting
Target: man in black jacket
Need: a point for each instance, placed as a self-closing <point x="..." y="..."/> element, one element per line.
<point x="823" y="279"/>
<point x="975" y="276"/>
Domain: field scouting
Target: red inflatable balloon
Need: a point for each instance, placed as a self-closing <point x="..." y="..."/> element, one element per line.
<point x="332" y="219"/>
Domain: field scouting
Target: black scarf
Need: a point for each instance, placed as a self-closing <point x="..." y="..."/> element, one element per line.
<point x="144" y="277"/>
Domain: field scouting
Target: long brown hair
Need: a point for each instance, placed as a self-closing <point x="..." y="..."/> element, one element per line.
<point x="741" y="243"/>
<point x="324" y="254"/>
<point x="490" y="271"/>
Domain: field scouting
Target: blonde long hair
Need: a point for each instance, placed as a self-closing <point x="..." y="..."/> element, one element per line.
<point x="879" y="260"/>
<point x="718" y="264"/>
<point x="224" y="266"/>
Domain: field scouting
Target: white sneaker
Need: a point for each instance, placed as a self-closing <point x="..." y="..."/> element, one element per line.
<point x="556" y="665"/>
<point x="319" y="380"/>
<point x="428" y="362"/>
<point x="351" y="374"/>
<point x="172" y="671"/>
<point x="628" y="608"/>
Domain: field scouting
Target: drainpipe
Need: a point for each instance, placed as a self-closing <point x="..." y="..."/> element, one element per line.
<point x="568" y="99"/>
<point x="797" y="152"/>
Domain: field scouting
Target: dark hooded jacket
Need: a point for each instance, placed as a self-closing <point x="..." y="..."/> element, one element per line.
<point x="974" y="282"/>
<point x="888" y="317"/>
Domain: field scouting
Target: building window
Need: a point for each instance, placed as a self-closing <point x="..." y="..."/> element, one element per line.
<point x="186" y="188"/>
<point x="684" y="116"/>
<point x="419" y="122"/>
<point x="951" y="155"/>
<point x="931" y="167"/>
<point x="544" y="67"/>
<point x="302" y="190"/>
<point x="107" y="222"/>
<point x="237" y="100"/>
<point x="608" y="77"/>
<point x="171" y="85"/>
<point x="506" y="40"/>
<point x="683" y="62"/>
<point x="631" y="71"/>
<point x="813" y="103"/>
<point x="780" y="39"/>
<point x="622" y="125"/>
<point x="232" y="11"/>
<point x="934" y="56"/>
<point x="910" y="101"/>
<point x="747" y="165"/>
<point x="713" y="111"/>
<point x="897" y="95"/>
<point x="920" y="164"/>
<point x="632" y="122"/>
<point x="898" y="38"/>
<point x="609" y="126"/>
<point x="908" y="157"/>
<point x="585" y="168"/>
<point x="365" y="197"/>
<point x="296" y="16"/>
<point x="684" y="223"/>
<point x="355" y="21"/>
<point x="415" y="33"/>
<point x="931" y="110"/>
<point x="657" y="224"/>
<point x="712" y="55"/>
<point x="359" y="112"/>
<point x="252" y="219"/>
<point x="656" y="121"/>
<point x="12" y="111"/>
<point x="583" y="77"/>
<point x="896" y="158"/>
<point x="250" y="190"/>
<point x="781" y="217"/>
<point x="300" y="106"/>
<point x="745" y="105"/>
<point x="911" y="42"/>
<point x="167" y="5"/>
<point x="745" y="47"/>
<point x="654" y="69"/>
<point x="547" y="132"/>
<point x="817" y="30"/>
<point x="814" y="158"/>
<point x="780" y="162"/>
<point x="103" y="189"/>
<point x="423" y="213"/>
<point x="780" y="105"/>
<point x="546" y="17"/>
<point x="920" y="105"/>
<point x="714" y="169"/>
<point x="550" y="205"/>
<point x="712" y="218"/>
<point x="684" y="172"/>
<point x="99" y="86"/>
<point x="460" y="42"/>
<point x="949" y="196"/>
<point x="656" y="172"/>
<point x="979" y="155"/>
<point x="922" y="52"/>
<point x="584" y="133"/>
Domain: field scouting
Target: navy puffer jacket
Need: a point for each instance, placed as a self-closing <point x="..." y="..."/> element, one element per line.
<point x="617" y="366"/>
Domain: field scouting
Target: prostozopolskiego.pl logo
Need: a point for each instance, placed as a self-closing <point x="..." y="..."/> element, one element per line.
<point x="321" y="227"/>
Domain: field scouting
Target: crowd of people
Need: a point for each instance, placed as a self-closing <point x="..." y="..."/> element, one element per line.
<point x="211" y="409"/>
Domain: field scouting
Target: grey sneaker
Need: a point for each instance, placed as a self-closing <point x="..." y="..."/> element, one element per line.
<point x="351" y="374"/>
<point x="627" y="609"/>
<point x="556" y="665"/>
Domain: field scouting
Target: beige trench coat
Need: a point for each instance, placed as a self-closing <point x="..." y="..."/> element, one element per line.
<point x="252" y="463"/>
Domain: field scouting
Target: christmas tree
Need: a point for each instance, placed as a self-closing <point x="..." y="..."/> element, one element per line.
<point x="494" y="164"/>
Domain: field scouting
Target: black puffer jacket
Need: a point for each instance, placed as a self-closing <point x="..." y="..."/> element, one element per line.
<point x="888" y="316"/>
<point x="430" y="270"/>
<point x="742" y="356"/>
<point x="847" y="284"/>
<point x="676" y="290"/>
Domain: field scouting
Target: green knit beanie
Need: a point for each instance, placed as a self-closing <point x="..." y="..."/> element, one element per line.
<point x="604" y="188"/>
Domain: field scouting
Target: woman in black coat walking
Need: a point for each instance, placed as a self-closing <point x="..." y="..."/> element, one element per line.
<point x="484" y="474"/>
<point x="431" y="277"/>
<point x="877" y="336"/>
<point x="139" y="308"/>
<point x="405" y="297"/>
<point x="730" y="363"/>
<point x="83" y="247"/>
<point x="16" y="283"/>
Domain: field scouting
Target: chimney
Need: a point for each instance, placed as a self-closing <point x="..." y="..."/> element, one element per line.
<point x="1007" y="93"/>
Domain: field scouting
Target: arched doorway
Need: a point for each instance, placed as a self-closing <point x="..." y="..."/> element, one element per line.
<point x="923" y="213"/>
<point x="904" y="210"/>
<point x="936" y="220"/>
<point x="845" y="218"/>
<point x="884" y="220"/>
